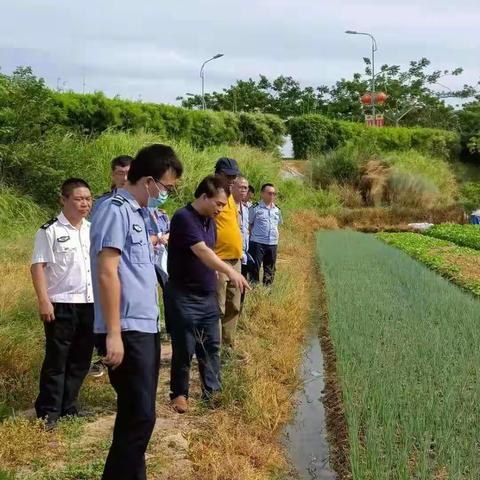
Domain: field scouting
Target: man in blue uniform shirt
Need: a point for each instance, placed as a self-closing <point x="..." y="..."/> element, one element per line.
<point x="264" y="219"/>
<point x="120" y="166"/>
<point x="126" y="311"/>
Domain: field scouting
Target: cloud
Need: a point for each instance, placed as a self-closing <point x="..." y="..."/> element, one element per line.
<point x="154" y="49"/>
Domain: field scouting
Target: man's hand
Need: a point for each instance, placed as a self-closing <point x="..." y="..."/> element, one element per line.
<point x="239" y="281"/>
<point x="115" y="350"/>
<point x="163" y="239"/>
<point x="45" y="308"/>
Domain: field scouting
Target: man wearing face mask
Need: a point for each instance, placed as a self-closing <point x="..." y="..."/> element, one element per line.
<point x="126" y="313"/>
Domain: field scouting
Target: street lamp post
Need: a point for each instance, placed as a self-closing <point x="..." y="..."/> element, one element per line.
<point x="202" y="76"/>
<point x="374" y="49"/>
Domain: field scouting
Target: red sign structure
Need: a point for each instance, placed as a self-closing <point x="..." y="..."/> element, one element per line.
<point x="371" y="100"/>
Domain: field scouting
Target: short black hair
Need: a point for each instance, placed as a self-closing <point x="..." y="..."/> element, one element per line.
<point x="251" y="189"/>
<point x="210" y="186"/>
<point x="154" y="161"/>
<point x="70" y="184"/>
<point x="265" y="185"/>
<point x="121" y="161"/>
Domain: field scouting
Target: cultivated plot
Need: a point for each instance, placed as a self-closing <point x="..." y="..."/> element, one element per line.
<point x="408" y="363"/>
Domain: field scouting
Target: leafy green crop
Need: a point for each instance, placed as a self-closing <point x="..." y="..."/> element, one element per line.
<point x="454" y="262"/>
<point x="466" y="235"/>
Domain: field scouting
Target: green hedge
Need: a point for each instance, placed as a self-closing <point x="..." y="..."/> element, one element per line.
<point x="95" y="113"/>
<point x="316" y="134"/>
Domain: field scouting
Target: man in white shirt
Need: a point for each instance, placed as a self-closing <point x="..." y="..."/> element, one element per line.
<point x="62" y="281"/>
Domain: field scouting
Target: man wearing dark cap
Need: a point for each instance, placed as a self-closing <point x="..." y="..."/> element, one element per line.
<point x="229" y="248"/>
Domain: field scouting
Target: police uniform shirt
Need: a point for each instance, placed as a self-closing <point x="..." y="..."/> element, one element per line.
<point x="66" y="252"/>
<point x="119" y="223"/>
<point x="243" y="221"/>
<point x="264" y="223"/>
<point x="102" y="198"/>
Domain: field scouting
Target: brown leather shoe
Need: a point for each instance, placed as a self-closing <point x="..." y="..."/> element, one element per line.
<point x="179" y="404"/>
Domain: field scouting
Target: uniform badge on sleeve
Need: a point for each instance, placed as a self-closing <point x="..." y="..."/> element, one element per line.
<point x="137" y="228"/>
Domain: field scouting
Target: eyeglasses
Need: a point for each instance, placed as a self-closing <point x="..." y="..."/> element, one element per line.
<point x="168" y="188"/>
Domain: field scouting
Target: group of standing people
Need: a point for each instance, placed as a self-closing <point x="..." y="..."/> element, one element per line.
<point x="97" y="286"/>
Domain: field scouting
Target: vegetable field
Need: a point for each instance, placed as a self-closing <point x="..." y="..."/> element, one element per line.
<point x="407" y="360"/>
<point x="459" y="264"/>
<point x="466" y="235"/>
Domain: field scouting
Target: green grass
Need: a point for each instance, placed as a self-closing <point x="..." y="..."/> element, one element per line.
<point x="408" y="362"/>
<point x="458" y="264"/>
<point x="465" y="235"/>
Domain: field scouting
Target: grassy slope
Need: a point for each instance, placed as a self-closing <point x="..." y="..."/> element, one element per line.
<point x="458" y="264"/>
<point x="407" y="352"/>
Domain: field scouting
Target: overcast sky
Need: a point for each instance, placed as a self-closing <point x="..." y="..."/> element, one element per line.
<point x="153" y="49"/>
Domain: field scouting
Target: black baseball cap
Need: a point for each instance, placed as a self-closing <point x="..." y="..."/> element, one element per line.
<point x="228" y="166"/>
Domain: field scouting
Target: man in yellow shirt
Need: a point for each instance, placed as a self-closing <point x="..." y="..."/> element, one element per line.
<point x="229" y="248"/>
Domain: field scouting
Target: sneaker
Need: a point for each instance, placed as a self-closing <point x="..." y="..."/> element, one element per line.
<point x="179" y="404"/>
<point x="97" y="369"/>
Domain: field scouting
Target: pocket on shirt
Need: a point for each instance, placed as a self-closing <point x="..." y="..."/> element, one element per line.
<point x="64" y="255"/>
<point x="139" y="250"/>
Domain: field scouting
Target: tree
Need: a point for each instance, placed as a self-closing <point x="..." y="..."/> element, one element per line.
<point x="412" y="98"/>
<point x="25" y="106"/>
<point x="283" y="96"/>
<point x="469" y="122"/>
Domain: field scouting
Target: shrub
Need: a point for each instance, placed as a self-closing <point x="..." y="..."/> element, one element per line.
<point x="95" y="113"/>
<point x="262" y="131"/>
<point x="412" y="191"/>
<point x="314" y="134"/>
<point x="470" y="196"/>
<point x="432" y="170"/>
<point x="28" y="109"/>
<point x="337" y="166"/>
<point x="38" y="169"/>
<point x="348" y="195"/>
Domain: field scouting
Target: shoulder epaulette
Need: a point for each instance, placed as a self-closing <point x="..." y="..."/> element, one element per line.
<point x="104" y="194"/>
<point x="49" y="223"/>
<point x="118" y="200"/>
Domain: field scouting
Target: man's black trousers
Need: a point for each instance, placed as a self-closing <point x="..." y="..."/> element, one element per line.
<point x="135" y="382"/>
<point x="266" y="255"/>
<point x="193" y="321"/>
<point x="68" y="351"/>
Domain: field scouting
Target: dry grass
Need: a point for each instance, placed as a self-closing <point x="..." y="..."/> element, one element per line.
<point x="25" y="443"/>
<point x="241" y="441"/>
<point x="14" y="265"/>
<point x="373" y="182"/>
<point x="381" y="218"/>
<point x="348" y="195"/>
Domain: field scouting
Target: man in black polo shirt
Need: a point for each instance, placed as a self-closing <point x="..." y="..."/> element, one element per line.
<point x="191" y="307"/>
